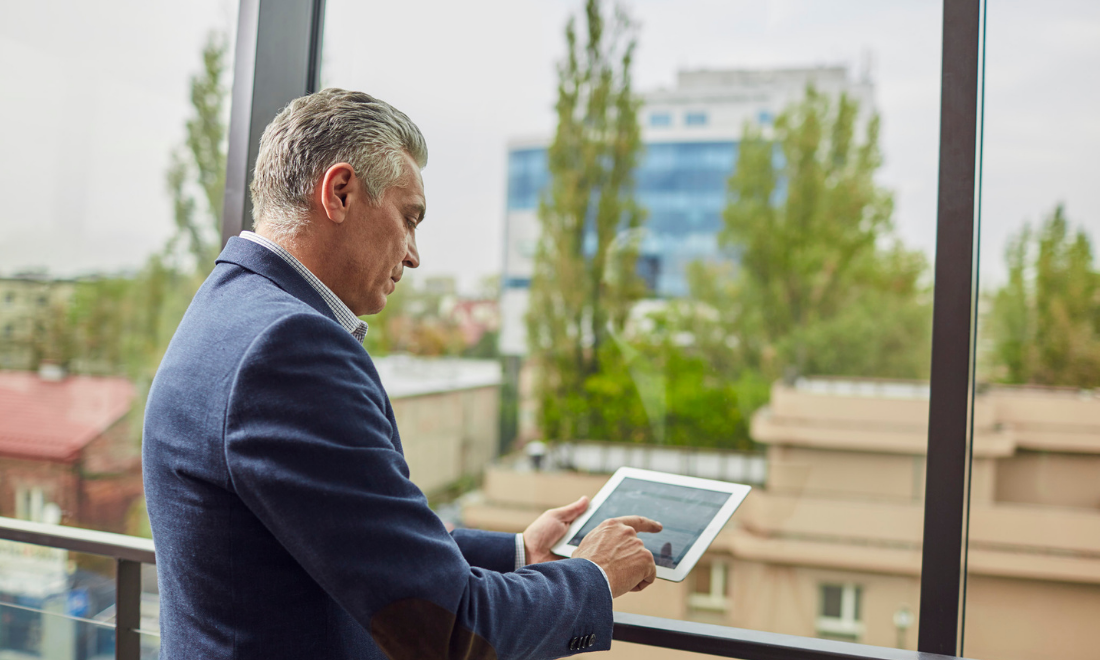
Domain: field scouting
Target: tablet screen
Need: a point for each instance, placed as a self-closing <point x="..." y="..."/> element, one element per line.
<point x="683" y="511"/>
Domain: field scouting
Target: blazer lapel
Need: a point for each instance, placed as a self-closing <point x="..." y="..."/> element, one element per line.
<point x="262" y="261"/>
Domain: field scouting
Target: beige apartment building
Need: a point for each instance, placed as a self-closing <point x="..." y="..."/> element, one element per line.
<point x="447" y="410"/>
<point x="830" y="546"/>
<point x="28" y="312"/>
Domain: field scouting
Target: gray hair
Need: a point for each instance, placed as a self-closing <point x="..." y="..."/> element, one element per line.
<point x="317" y="131"/>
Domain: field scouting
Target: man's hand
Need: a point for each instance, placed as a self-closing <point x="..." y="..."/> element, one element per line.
<point x="614" y="545"/>
<point x="548" y="529"/>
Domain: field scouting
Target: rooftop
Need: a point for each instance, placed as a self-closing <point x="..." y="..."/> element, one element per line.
<point x="890" y="416"/>
<point x="407" y="376"/>
<point x="49" y="419"/>
<point x="719" y="78"/>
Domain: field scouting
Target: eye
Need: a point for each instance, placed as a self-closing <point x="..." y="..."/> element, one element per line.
<point x="411" y="223"/>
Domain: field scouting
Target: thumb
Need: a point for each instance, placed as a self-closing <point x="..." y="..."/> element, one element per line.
<point x="569" y="512"/>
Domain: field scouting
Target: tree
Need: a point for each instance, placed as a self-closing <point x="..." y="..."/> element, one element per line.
<point x="823" y="286"/>
<point x="582" y="288"/>
<point x="1045" y="321"/>
<point x="201" y="163"/>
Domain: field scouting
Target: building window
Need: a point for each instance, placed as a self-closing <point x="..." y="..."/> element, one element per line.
<point x="708" y="586"/>
<point x="9" y="330"/>
<point x="839" y="613"/>
<point x="695" y="119"/>
<point x="660" y="119"/>
<point x="9" y="299"/>
<point x="765" y="117"/>
<point x="31" y="504"/>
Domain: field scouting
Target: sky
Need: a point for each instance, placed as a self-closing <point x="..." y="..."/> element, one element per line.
<point x="95" y="96"/>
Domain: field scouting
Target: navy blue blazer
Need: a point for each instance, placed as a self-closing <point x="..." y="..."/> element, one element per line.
<point x="284" y="519"/>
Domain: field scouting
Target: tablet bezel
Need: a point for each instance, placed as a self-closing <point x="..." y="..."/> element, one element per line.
<point x="738" y="493"/>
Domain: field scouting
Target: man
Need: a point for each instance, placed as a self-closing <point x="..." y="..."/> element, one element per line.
<point x="285" y="522"/>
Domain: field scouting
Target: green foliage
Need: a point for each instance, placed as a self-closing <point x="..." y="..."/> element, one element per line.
<point x="823" y="286"/>
<point x="695" y="394"/>
<point x="584" y="279"/>
<point x="1045" y="322"/>
<point x="122" y="325"/>
<point x="201" y="164"/>
<point x="411" y="323"/>
<point x="486" y="347"/>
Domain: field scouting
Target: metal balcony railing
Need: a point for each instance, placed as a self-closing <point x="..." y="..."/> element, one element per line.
<point x="131" y="552"/>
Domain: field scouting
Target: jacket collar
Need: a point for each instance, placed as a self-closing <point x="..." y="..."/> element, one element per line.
<point x="262" y="261"/>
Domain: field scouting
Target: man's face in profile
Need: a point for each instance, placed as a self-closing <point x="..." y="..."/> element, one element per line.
<point x="382" y="241"/>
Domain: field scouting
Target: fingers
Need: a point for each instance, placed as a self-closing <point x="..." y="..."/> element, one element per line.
<point x="651" y="576"/>
<point x="641" y="524"/>
<point x="569" y="512"/>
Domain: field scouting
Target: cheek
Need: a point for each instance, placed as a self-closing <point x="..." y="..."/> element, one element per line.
<point x="400" y="246"/>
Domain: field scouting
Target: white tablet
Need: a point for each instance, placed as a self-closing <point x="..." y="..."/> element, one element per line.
<point x="692" y="511"/>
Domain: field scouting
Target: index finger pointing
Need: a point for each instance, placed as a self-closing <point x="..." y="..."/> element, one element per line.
<point x="641" y="524"/>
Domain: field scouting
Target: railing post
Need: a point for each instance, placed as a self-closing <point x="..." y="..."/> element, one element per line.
<point x="127" y="610"/>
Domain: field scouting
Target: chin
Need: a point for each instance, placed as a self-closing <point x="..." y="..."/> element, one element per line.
<point x="374" y="306"/>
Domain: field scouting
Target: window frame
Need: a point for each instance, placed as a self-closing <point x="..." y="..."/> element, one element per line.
<point x="278" y="58"/>
<point x="849" y="624"/>
<point x="716" y="598"/>
<point x="696" y="118"/>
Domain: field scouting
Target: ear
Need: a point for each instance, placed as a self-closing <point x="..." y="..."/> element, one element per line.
<point x="336" y="190"/>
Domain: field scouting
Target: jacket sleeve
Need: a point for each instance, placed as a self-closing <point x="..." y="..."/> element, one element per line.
<point x="309" y="450"/>
<point x="495" y="551"/>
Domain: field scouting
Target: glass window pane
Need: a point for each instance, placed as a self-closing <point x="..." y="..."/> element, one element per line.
<point x="752" y="304"/>
<point x="831" y="597"/>
<point x="122" y="116"/>
<point x="56" y="604"/>
<point x="112" y="147"/>
<point x="1034" y="530"/>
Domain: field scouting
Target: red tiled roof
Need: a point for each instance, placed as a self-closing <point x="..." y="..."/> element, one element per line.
<point x="54" y="420"/>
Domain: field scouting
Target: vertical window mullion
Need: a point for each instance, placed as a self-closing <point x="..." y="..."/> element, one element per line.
<point x="950" y="401"/>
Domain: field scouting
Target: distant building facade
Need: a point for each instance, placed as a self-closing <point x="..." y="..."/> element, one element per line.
<point x="68" y="451"/>
<point x="830" y="546"/>
<point x="28" y="309"/>
<point x="691" y="135"/>
<point x="447" y="412"/>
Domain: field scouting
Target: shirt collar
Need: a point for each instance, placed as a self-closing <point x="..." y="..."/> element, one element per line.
<point x="344" y="316"/>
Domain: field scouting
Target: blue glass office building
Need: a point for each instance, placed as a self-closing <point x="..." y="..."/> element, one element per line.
<point x="682" y="185"/>
<point x="691" y="134"/>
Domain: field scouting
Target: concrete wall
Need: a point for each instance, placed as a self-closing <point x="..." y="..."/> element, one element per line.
<point x="1009" y="619"/>
<point x="845" y="473"/>
<point x="448" y="435"/>
<point x="1049" y="478"/>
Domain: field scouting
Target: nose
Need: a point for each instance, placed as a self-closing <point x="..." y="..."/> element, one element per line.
<point x="412" y="256"/>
